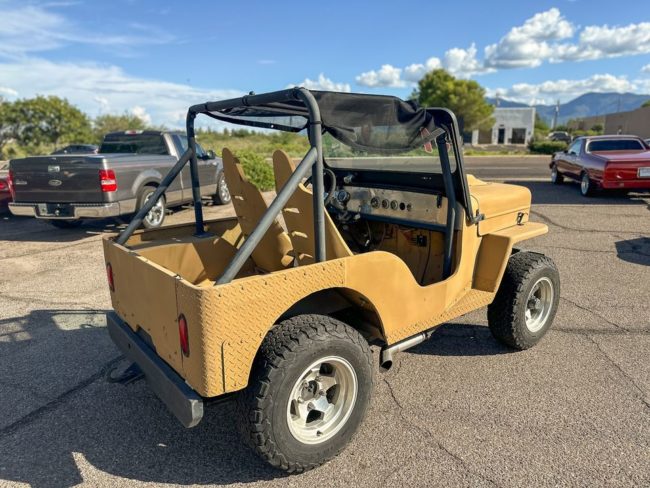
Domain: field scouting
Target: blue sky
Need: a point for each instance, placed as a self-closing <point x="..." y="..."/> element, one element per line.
<point x="155" y="58"/>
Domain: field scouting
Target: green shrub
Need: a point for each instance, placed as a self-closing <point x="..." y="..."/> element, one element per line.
<point x="546" y="147"/>
<point x="257" y="169"/>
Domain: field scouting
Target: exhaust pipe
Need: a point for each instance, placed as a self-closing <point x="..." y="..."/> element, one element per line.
<point x="386" y="355"/>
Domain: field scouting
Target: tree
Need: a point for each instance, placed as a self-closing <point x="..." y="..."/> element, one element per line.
<point x="466" y="98"/>
<point x="646" y="103"/>
<point x="540" y="124"/>
<point x="47" y="121"/>
<point x="111" y="123"/>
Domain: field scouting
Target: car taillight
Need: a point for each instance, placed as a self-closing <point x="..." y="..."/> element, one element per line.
<point x="107" y="180"/>
<point x="3" y="185"/>
<point x="183" y="335"/>
<point x="10" y="183"/>
<point x="109" y="276"/>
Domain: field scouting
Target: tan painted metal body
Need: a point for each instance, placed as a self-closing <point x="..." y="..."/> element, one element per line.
<point x="163" y="273"/>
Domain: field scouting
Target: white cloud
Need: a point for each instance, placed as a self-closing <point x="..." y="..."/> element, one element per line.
<point x="386" y="76"/>
<point x="527" y="46"/>
<point x="323" y="83"/>
<point x="28" y="29"/>
<point x="549" y="91"/>
<point x="99" y="89"/>
<point x="598" y="42"/>
<point x="463" y="62"/>
<point x="646" y="69"/>
<point x="9" y="92"/>
<point x="141" y="113"/>
<point x="414" y="72"/>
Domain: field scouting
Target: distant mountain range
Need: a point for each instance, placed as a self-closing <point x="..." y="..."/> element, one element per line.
<point x="584" y="106"/>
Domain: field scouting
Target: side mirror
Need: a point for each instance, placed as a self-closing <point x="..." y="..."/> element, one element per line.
<point x="210" y="154"/>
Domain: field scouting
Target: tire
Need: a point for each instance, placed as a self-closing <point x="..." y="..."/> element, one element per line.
<point x="66" y="224"/>
<point x="283" y="387"/>
<point x="155" y="218"/>
<point x="222" y="197"/>
<point x="530" y="281"/>
<point x="587" y="188"/>
<point x="556" y="177"/>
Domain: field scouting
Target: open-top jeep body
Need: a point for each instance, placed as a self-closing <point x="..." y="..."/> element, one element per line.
<point x="391" y="240"/>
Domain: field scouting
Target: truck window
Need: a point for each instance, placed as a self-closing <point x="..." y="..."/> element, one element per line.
<point x="134" y="144"/>
<point x="615" y="145"/>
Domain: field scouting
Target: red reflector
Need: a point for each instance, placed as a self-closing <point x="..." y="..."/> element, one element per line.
<point x="109" y="276"/>
<point x="107" y="180"/>
<point x="183" y="335"/>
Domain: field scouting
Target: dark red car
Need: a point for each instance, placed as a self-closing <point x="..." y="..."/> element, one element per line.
<point x="604" y="163"/>
<point x="5" y="189"/>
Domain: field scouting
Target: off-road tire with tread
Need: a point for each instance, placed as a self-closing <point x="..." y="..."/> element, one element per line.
<point x="506" y="314"/>
<point x="287" y="350"/>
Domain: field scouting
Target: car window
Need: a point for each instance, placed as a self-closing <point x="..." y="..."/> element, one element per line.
<point x="615" y="145"/>
<point x="575" y="148"/>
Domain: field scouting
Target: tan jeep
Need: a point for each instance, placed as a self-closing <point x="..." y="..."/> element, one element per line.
<point x="386" y="240"/>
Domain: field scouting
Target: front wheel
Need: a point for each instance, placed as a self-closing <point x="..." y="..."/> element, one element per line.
<point x="556" y="177"/>
<point x="526" y="302"/>
<point x="222" y="197"/>
<point x="310" y="387"/>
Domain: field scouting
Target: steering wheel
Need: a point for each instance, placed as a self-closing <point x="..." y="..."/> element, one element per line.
<point x="330" y="189"/>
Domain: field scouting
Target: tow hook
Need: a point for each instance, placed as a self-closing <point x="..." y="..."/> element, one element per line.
<point x="130" y="375"/>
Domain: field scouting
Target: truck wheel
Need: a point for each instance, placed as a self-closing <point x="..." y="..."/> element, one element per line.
<point x="556" y="177"/>
<point x="526" y="302"/>
<point x="222" y="197"/>
<point x="156" y="215"/>
<point x="66" y="224"/>
<point x="310" y="387"/>
<point x="587" y="188"/>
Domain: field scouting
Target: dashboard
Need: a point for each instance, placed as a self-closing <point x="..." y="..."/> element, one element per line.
<point x="412" y="208"/>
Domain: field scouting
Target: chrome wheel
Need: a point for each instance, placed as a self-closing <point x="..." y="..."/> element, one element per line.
<point x="585" y="184"/>
<point x="224" y="193"/>
<point x="157" y="213"/>
<point x="322" y="400"/>
<point x="554" y="174"/>
<point x="539" y="304"/>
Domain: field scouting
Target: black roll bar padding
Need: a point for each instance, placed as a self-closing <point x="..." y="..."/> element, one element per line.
<point x="194" y="175"/>
<point x="162" y="187"/>
<point x="451" y="206"/>
<point x="278" y="203"/>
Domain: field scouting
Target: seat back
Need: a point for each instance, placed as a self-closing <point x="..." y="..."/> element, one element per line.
<point x="273" y="253"/>
<point x="299" y="217"/>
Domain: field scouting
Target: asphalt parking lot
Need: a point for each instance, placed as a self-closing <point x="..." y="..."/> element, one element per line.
<point x="458" y="410"/>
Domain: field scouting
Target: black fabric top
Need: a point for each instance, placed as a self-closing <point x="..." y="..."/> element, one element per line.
<point x="372" y="123"/>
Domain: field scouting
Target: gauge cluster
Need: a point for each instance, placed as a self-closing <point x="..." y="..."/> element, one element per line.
<point x="392" y="204"/>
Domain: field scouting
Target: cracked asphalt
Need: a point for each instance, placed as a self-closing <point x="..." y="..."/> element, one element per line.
<point x="457" y="410"/>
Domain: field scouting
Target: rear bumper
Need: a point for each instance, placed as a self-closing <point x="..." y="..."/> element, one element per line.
<point x="175" y="393"/>
<point x="626" y="184"/>
<point x="73" y="210"/>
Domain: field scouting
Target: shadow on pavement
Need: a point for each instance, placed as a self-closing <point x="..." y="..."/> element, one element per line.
<point x="636" y="251"/>
<point x="545" y="193"/>
<point x="58" y="414"/>
<point x="461" y="340"/>
<point x="29" y="229"/>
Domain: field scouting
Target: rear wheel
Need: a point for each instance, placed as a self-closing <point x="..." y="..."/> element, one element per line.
<point x="156" y="215"/>
<point x="222" y="197"/>
<point x="66" y="224"/>
<point x="310" y="387"/>
<point x="587" y="188"/>
<point x="525" y="304"/>
<point x="556" y="177"/>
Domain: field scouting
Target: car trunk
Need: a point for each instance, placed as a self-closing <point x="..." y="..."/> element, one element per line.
<point x="57" y="179"/>
<point x="626" y="166"/>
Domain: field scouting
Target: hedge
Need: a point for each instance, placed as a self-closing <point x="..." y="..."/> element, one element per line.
<point x="546" y="147"/>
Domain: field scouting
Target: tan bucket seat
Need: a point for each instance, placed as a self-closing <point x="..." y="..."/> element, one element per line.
<point x="299" y="217"/>
<point x="273" y="253"/>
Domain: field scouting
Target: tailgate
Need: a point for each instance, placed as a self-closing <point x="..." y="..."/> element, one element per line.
<point x="627" y="170"/>
<point x="57" y="179"/>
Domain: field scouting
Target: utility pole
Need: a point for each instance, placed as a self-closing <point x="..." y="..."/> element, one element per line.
<point x="557" y="113"/>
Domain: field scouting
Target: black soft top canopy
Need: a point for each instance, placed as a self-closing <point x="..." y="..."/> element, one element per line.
<point x="373" y="123"/>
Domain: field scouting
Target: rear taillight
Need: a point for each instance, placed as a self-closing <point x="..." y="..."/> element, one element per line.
<point x="10" y="183"/>
<point x="109" y="277"/>
<point x="4" y="186"/>
<point x="107" y="180"/>
<point x="183" y="335"/>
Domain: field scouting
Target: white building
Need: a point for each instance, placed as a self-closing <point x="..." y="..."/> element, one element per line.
<point x="511" y="126"/>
